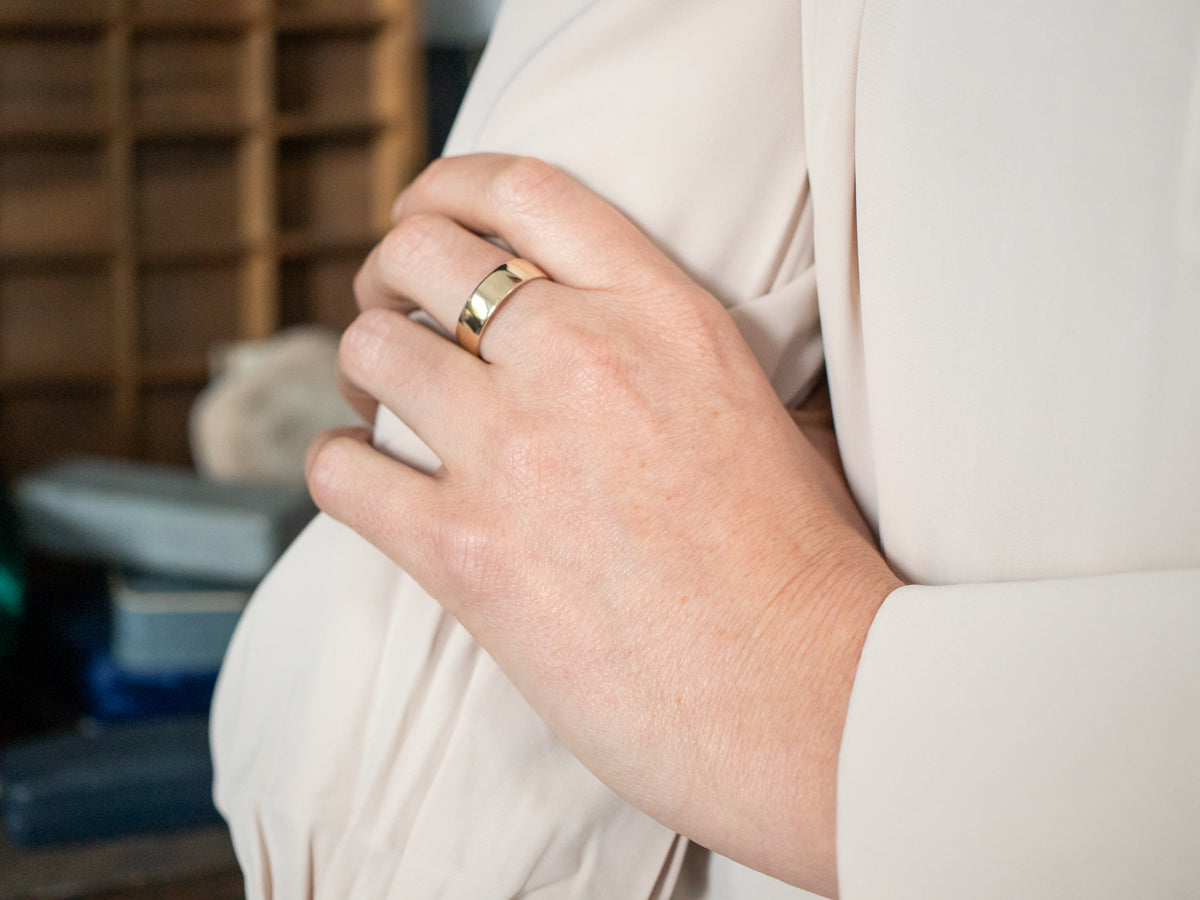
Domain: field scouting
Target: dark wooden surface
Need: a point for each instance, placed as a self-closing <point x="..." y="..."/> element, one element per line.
<point x="187" y="865"/>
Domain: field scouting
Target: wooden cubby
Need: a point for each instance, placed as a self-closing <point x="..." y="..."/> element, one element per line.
<point x="178" y="173"/>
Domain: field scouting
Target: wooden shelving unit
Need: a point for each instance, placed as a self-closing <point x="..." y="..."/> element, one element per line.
<point x="175" y="173"/>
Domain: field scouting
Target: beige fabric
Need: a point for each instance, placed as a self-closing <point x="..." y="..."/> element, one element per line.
<point x="999" y="209"/>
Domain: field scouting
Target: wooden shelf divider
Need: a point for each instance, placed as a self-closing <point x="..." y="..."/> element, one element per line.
<point x="121" y="228"/>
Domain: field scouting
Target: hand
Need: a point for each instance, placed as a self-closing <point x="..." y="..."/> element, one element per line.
<point x="626" y="519"/>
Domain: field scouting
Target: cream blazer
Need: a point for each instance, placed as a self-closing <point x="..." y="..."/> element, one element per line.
<point x="984" y="221"/>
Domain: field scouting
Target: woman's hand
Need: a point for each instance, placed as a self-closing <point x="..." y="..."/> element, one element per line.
<point x="627" y="519"/>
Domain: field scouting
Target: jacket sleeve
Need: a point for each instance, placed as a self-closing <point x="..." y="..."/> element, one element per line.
<point x="1028" y="739"/>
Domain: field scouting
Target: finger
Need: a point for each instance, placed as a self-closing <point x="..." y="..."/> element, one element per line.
<point x="360" y="401"/>
<point x="421" y="250"/>
<point x="356" y="432"/>
<point x="543" y="214"/>
<point x="384" y="500"/>
<point x="428" y="262"/>
<point x="429" y="383"/>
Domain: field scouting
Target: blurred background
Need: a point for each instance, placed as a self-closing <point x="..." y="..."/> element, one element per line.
<point x="186" y="190"/>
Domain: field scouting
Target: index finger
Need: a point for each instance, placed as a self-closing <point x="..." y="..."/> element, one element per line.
<point x="539" y="211"/>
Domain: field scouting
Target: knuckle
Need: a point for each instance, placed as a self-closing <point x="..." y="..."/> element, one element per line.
<point x="703" y="328"/>
<point x="525" y="183"/>
<point x="430" y="174"/>
<point x="524" y="451"/>
<point x="602" y="366"/>
<point x="524" y="455"/>
<point x="715" y="341"/>
<point x="473" y="553"/>
<point x="601" y="371"/>
<point x="410" y="240"/>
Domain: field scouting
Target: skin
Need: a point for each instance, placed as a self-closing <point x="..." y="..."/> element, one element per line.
<point x="670" y="570"/>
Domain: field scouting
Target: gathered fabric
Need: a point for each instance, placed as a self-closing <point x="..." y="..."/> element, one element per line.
<point x="981" y="223"/>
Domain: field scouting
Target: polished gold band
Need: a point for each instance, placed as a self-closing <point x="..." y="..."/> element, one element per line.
<point x="486" y="299"/>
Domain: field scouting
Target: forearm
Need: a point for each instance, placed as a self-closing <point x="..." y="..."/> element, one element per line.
<point x="774" y="807"/>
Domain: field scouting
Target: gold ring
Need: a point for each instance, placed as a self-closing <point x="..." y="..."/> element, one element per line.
<point x="499" y="285"/>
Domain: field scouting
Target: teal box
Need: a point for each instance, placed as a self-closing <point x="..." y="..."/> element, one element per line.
<point x="160" y="519"/>
<point x="168" y="625"/>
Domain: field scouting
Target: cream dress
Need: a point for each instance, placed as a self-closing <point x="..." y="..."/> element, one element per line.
<point x="984" y="220"/>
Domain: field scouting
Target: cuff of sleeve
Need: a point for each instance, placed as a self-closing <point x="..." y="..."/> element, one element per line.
<point x="1026" y="740"/>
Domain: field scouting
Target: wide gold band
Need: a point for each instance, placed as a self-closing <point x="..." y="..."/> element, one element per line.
<point x="486" y="299"/>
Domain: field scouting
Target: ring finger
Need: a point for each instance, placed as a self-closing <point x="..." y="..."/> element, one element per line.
<point x="426" y="262"/>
